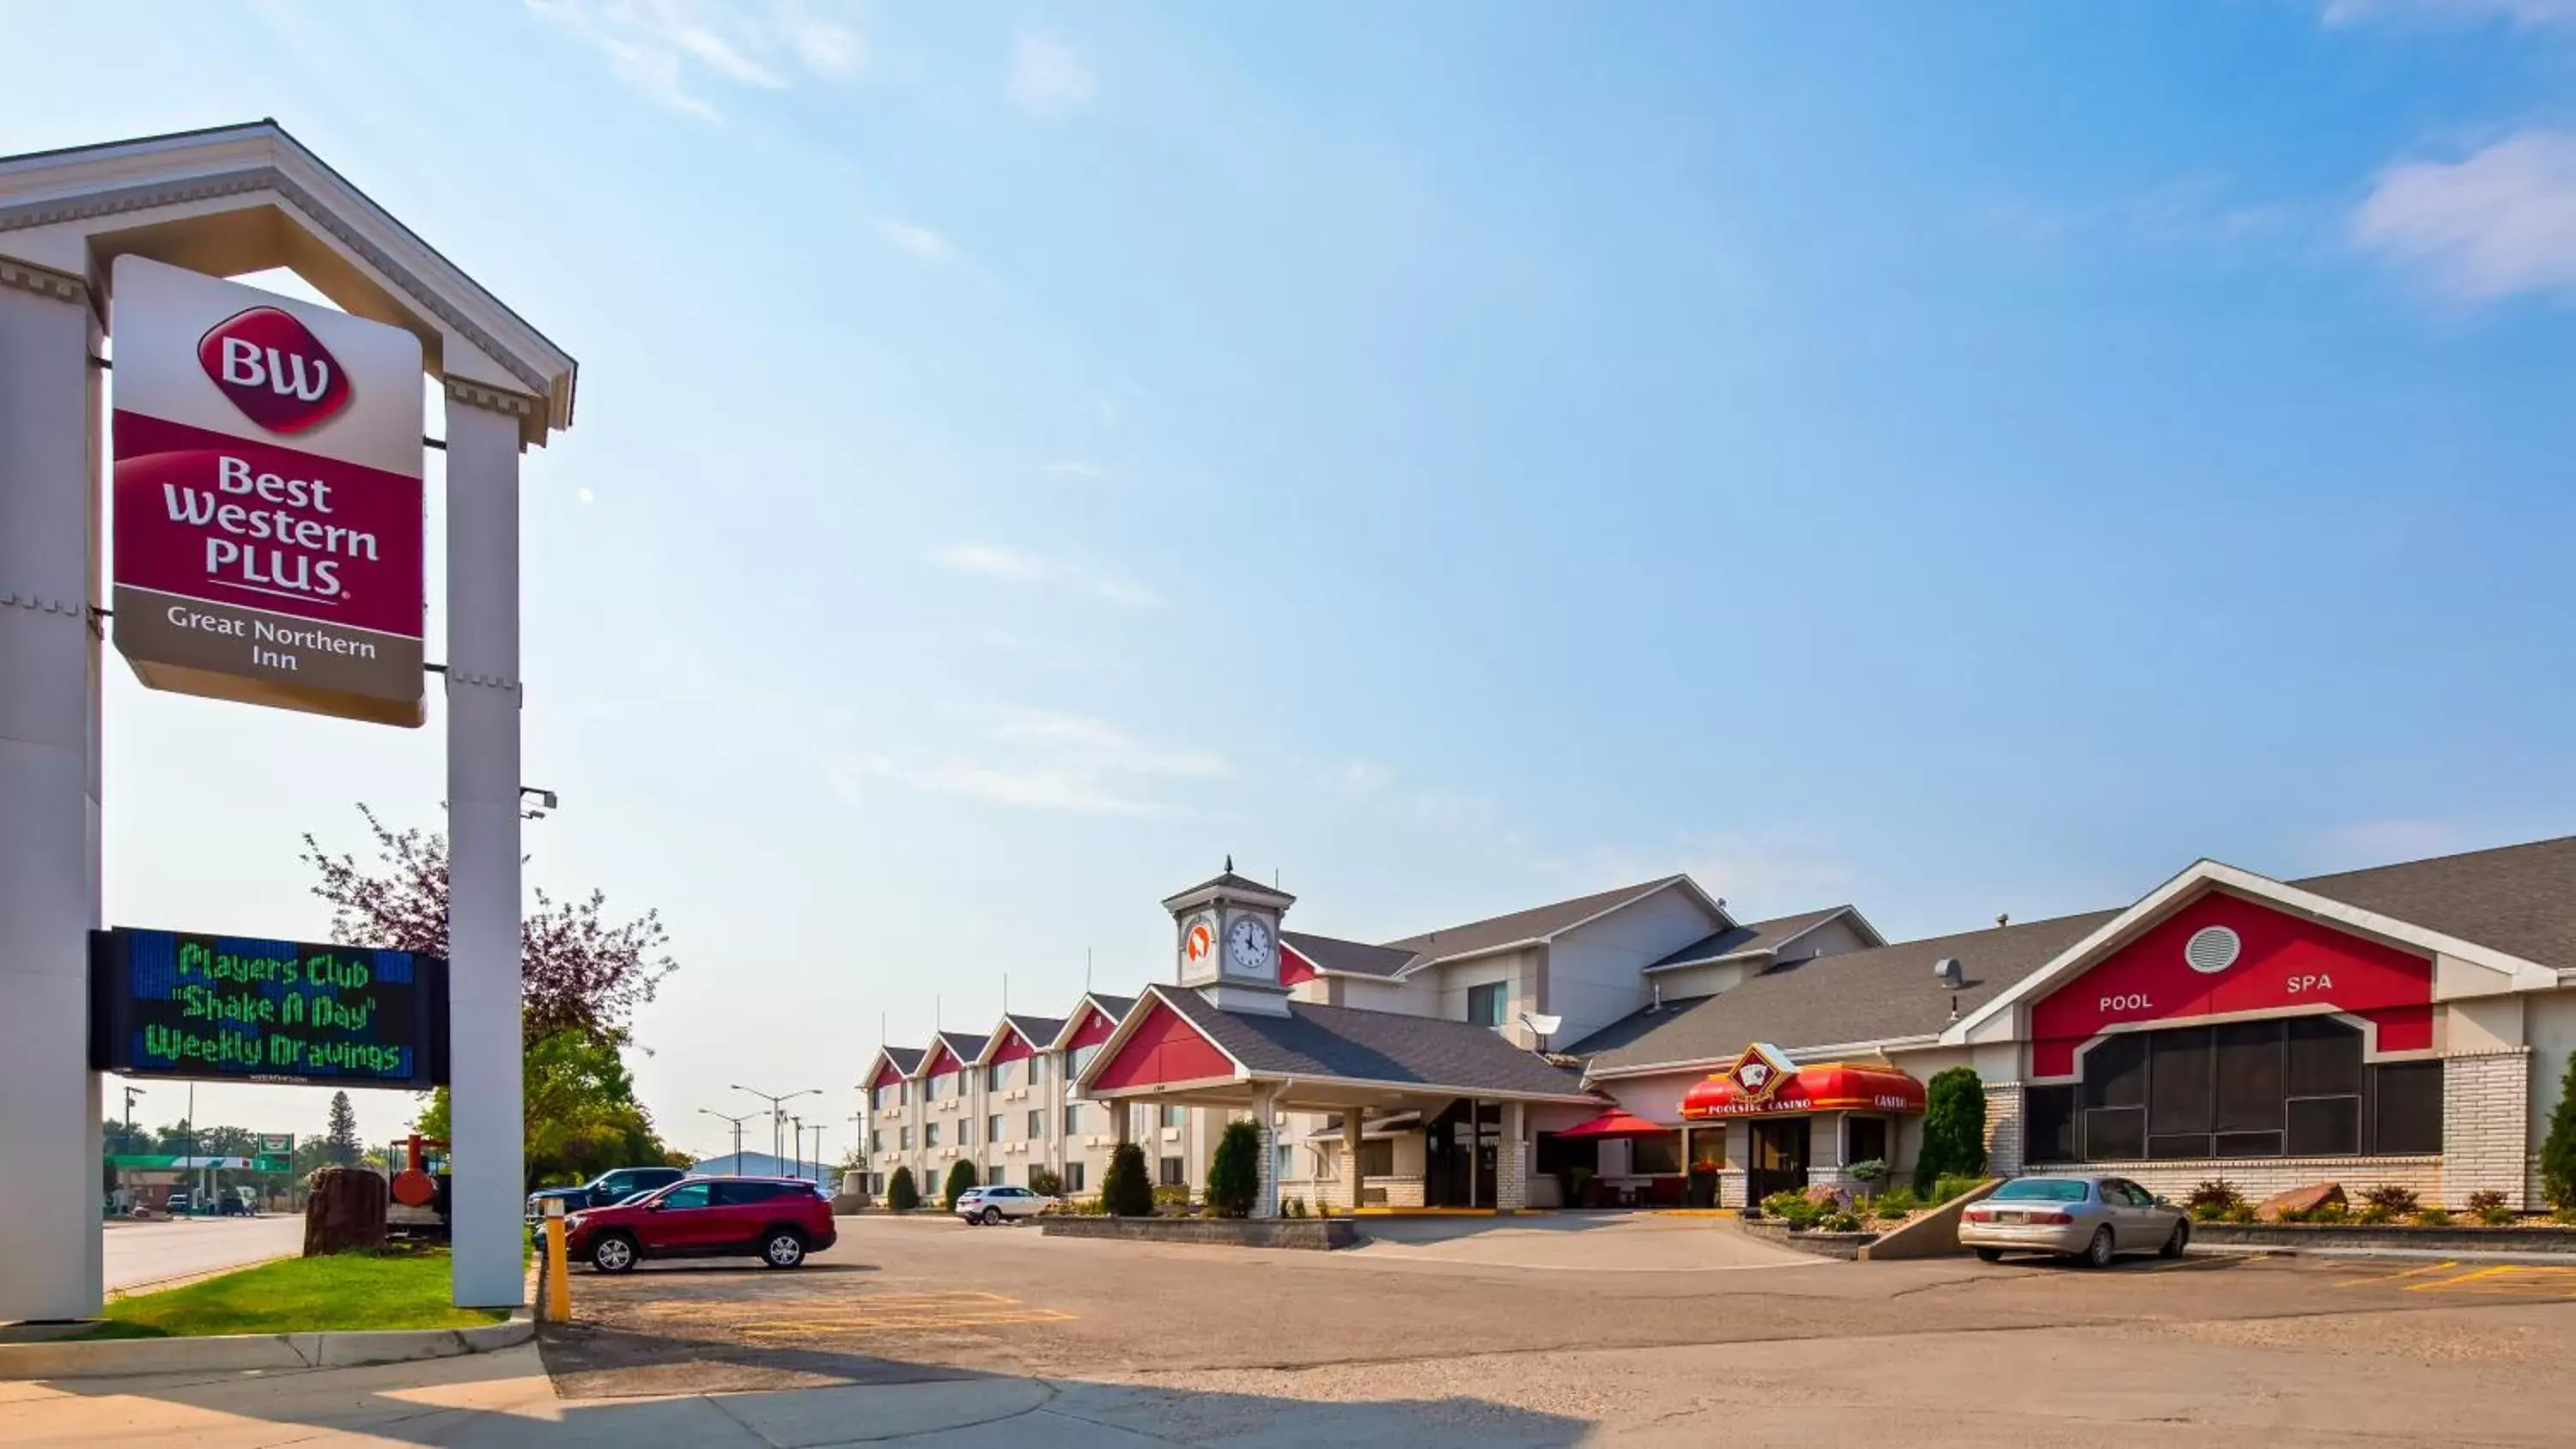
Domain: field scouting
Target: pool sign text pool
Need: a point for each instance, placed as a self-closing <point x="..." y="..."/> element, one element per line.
<point x="183" y="1004"/>
<point x="268" y="515"/>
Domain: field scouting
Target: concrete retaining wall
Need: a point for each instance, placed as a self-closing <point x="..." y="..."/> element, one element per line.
<point x="1933" y="1235"/>
<point x="1315" y="1233"/>
<point x="2312" y="1236"/>
<point x="1846" y="1246"/>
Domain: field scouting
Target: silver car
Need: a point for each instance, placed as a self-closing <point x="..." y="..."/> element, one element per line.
<point x="2094" y="1219"/>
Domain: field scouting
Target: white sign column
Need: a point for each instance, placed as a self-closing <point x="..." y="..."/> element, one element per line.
<point x="483" y="699"/>
<point x="49" y="793"/>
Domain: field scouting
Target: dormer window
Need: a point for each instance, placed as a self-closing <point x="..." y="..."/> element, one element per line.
<point x="1485" y="1003"/>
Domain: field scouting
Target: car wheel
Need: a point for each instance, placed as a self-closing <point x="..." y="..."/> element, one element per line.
<point x="2180" y="1240"/>
<point x="991" y="1217"/>
<point x="2097" y="1253"/>
<point x="1990" y="1255"/>
<point x="782" y="1249"/>
<point x="614" y="1253"/>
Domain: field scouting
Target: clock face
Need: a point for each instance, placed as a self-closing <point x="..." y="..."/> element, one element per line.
<point x="1247" y="945"/>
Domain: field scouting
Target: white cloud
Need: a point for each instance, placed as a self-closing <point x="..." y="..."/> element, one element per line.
<point x="994" y="561"/>
<point x="2496" y="223"/>
<point x="919" y="241"/>
<point x="662" y="48"/>
<point x="585" y="495"/>
<point x="1354" y="777"/>
<point x="1041" y="760"/>
<point x="1087" y="472"/>
<point x="1049" y="79"/>
<point x="2536" y="14"/>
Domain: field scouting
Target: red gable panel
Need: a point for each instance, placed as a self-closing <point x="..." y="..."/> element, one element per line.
<point x="1014" y="1048"/>
<point x="1293" y="968"/>
<point x="2284" y="963"/>
<point x="1096" y="1028"/>
<point x="941" y="1061"/>
<point x="887" y="1072"/>
<point x="1164" y="1048"/>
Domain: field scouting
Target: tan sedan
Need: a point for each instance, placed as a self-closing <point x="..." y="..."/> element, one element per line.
<point x="2094" y="1219"/>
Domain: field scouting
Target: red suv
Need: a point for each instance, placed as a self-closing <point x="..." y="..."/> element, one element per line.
<point x="775" y="1219"/>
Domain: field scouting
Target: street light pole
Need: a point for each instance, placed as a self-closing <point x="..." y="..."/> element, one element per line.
<point x="799" y="1139"/>
<point x="777" y="1111"/>
<point x="737" y="1132"/>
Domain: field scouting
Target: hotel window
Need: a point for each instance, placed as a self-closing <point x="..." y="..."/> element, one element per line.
<point x="1140" y="1119"/>
<point x="2282" y="1088"/>
<point x="993" y="1128"/>
<point x="998" y="1176"/>
<point x="1037" y="1070"/>
<point x="965" y="1131"/>
<point x="997" y="1076"/>
<point x="1174" y="1116"/>
<point x="876" y="1139"/>
<point x="907" y="1139"/>
<point x="1072" y="1178"/>
<point x="1172" y="1176"/>
<point x="1082" y="1058"/>
<point x="1377" y="1157"/>
<point x="1485" y="1003"/>
<point x="1072" y="1118"/>
<point x="1037" y="1124"/>
<point x="1653" y="1156"/>
<point x="943" y="1086"/>
<point x="929" y="1134"/>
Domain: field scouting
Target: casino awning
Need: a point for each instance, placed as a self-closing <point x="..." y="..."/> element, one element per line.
<point x="1821" y="1087"/>
<point x="1614" y="1123"/>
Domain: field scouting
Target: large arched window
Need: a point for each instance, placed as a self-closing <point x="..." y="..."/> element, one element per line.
<point x="2294" y="1087"/>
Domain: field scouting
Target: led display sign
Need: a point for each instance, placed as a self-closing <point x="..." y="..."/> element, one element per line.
<point x="194" y="1005"/>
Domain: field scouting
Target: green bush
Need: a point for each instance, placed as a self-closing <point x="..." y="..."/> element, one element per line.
<point x="1866" y="1171"/>
<point x="1093" y="1206"/>
<point x="1954" y="1130"/>
<point x="2558" y="1150"/>
<point x="1793" y="1208"/>
<point x="2485" y="1201"/>
<point x="1234" y="1172"/>
<point x="2213" y="1198"/>
<point x="1948" y="1186"/>
<point x="961" y="1176"/>
<point x="2565" y="1217"/>
<point x="2243" y="1212"/>
<point x="2432" y="1217"/>
<point x="2371" y="1214"/>
<point x="1896" y="1202"/>
<point x="1046" y="1182"/>
<point x="1124" y="1187"/>
<point x="1838" y="1222"/>
<point x="901" y="1195"/>
<point x="2396" y="1201"/>
<point x="2333" y="1212"/>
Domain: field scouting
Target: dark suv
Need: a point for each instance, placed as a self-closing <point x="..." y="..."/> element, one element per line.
<point x="775" y="1219"/>
<point x="609" y="1188"/>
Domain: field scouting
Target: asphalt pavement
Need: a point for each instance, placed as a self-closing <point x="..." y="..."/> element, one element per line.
<point x="138" y="1253"/>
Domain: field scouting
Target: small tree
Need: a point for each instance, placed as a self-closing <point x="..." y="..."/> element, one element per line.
<point x="901" y="1194"/>
<point x="1954" y="1128"/>
<point x="343" y="1140"/>
<point x="961" y="1176"/>
<point x="1124" y="1188"/>
<point x="2558" y="1150"/>
<point x="1234" y="1173"/>
<point x="1045" y="1182"/>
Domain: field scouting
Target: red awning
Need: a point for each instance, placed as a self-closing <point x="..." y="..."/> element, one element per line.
<point x="1615" y="1123"/>
<point x="1823" y="1087"/>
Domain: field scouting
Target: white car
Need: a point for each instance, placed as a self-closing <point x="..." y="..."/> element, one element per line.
<point x="991" y="1205"/>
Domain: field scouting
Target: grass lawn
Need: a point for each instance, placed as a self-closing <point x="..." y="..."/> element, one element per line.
<point x="395" y="1288"/>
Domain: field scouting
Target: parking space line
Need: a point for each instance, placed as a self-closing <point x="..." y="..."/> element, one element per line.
<point x="2415" y="1272"/>
<point x="2507" y="1280"/>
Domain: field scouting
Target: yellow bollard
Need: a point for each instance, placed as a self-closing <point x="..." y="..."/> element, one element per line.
<point x="557" y="1272"/>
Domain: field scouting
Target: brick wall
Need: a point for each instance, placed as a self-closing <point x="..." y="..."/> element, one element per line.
<point x="2260" y="1177"/>
<point x="1511" y="1160"/>
<point x="2003" y="1129"/>
<point x="1730" y="1187"/>
<point x="2486" y="1133"/>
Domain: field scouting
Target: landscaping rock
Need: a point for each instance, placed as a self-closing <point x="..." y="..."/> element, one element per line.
<point x="1833" y="1197"/>
<point x="346" y="1210"/>
<point x="2298" y="1200"/>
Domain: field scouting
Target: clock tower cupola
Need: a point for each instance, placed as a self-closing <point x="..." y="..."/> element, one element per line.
<point x="1227" y="943"/>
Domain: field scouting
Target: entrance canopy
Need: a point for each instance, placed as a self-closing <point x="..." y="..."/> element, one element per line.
<point x="1822" y="1087"/>
<point x="1613" y="1124"/>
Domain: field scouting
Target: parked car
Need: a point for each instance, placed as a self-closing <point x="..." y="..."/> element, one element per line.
<point x="991" y="1205"/>
<point x="775" y="1219"/>
<point x="2090" y="1218"/>
<point x="178" y="1202"/>
<point x="606" y="1190"/>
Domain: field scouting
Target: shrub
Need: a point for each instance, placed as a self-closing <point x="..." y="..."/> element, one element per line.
<point x="2565" y="1217"/>
<point x="2333" y="1212"/>
<point x="901" y="1195"/>
<point x="1292" y="1207"/>
<point x="1867" y="1170"/>
<point x="1838" y="1222"/>
<point x="961" y="1176"/>
<point x="2396" y="1201"/>
<point x="2294" y="1215"/>
<point x="2212" y="1198"/>
<point x="2558" y="1149"/>
<point x="1046" y="1182"/>
<point x="1171" y="1200"/>
<point x="2502" y="1217"/>
<point x="1793" y="1208"/>
<point x="1897" y="1201"/>
<point x="2372" y="1214"/>
<point x="2432" y="1217"/>
<point x="1234" y="1172"/>
<point x="1954" y="1129"/>
<point x="1948" y="1186"/>
<point x="2243" y="1212"/>
<point x="2485" y="1202"/>
<point x="1124" y="1186"/>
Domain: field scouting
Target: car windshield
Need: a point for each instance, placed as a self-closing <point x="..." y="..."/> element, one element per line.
<point x="2040" y="1189"/>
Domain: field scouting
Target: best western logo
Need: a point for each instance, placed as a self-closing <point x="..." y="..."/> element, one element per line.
<point x="275" y="370"/>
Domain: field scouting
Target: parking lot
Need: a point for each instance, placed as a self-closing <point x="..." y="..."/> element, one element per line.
<point x="1527" y="1329"/>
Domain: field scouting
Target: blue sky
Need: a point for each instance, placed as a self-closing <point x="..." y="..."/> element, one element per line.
<point x="1452" y="455"/>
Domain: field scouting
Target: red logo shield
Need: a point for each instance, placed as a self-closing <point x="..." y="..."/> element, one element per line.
<point x="275" y="370"/>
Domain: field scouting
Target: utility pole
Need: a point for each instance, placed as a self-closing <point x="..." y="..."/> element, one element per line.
<point x="798" y="1137"/>
<point x="737" y="1132"/>
<point x="818" y="1152"/>
<point x="778" y="1112"/>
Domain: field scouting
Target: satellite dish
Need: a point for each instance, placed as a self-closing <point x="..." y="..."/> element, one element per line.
<point x="1543" y="1025"/>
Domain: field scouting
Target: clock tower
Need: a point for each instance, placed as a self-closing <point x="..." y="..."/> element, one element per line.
<point x="1227" y="942"/>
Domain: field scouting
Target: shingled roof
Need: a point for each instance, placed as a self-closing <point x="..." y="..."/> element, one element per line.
<point x="1536" y="923"/>
<point x="1748" y="938"/>
<point x="2519" y="899"/>
<point x="1037" y="1031"/>
<point x="1330" y="953"/>
<point x="1314" y="1042"/>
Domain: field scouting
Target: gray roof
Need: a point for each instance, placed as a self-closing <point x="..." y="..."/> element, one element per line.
<point x="1528" y="925"/>
<point x="968" y="1045"/>
<point x="1117" y="1006"/>
<point x="2519" y="899"/>
<point x="1753" y="936"/>
<point x="1039" y="1030"/>
<point x="1872" y="995"/>
<point x="1359" y="958"/>
<point x="1314" y="1042"/>
<point x="907" y="1060"/>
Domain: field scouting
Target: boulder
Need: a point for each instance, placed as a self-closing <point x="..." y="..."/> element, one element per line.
<point x="346" y="1209"/>
<point x="1828" y="1196"/>
<point x="2300" y="1200"/>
